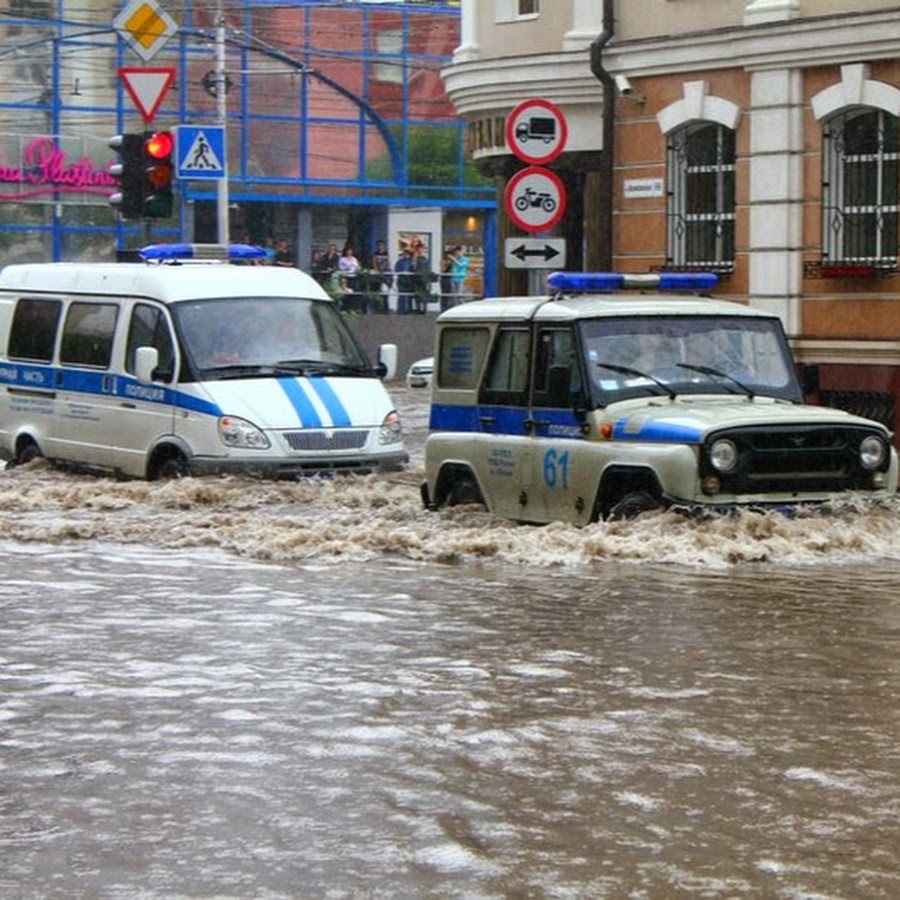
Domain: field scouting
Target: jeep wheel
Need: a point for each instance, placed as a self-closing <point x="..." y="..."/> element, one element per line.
<point x="634" y="504"/>
<point x="460" y="487"/>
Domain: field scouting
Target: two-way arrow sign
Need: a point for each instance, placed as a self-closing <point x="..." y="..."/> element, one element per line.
<point x="534" y="253"/>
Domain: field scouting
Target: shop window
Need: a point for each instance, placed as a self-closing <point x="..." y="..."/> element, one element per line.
<point x="701" y="172"/>
<point x="860" y="189"/>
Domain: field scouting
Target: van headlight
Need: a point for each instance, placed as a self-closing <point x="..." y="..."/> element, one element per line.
<point x="235" y="432"/>
<point x="872" y="452"/>
<point x="723" y="455"/>
<point x="391" y="431"/>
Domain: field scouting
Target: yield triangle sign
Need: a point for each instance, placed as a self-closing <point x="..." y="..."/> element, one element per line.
<point x="147" y="87"/>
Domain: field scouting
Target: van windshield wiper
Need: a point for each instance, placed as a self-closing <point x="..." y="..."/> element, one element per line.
<point x="235" y="370"/>
<point x="710" y="372"/>
<point x="322" y="367"/>
<point x="637" y="373"/>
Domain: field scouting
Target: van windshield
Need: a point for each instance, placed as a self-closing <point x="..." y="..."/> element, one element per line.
<point x="239" y="337"/>
<point x="636" y="356"/>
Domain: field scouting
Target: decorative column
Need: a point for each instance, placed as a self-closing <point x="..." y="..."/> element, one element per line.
<point x="587" y="23"/>
<point x="776" y="194"/>
<point x="468" y="33"/>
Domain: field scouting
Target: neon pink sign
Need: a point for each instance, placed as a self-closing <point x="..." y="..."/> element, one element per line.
<point x="46" y="170"/>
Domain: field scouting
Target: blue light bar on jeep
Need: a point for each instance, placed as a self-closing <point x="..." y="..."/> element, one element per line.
<point x="167" y="252"/>
<point x="594" y="282"/>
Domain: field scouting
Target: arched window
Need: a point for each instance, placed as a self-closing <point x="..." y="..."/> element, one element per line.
<point x="860" y="188"/>
<point x="701" y="171"/>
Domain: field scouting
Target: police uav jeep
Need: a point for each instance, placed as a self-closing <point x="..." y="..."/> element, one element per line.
<point x="603" y="400"/>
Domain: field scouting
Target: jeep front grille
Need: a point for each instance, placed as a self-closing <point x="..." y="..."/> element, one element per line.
<point x="794" y="459"/>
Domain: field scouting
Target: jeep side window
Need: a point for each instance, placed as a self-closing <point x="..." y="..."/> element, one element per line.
<point x="148" y="328"/>
<point x="33" y="332"/>
<point x="557" y="373"/>
<point x="461" y="357"/>
<point x="506" y="380"/>
<point x="88" y="334"/>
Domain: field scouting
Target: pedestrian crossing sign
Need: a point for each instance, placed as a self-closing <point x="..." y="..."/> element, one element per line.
<point x="200" y="151"/>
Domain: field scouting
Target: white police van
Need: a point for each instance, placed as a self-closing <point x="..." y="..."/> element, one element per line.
<point x="605" y="400"/>
<point x="185" y="364"/>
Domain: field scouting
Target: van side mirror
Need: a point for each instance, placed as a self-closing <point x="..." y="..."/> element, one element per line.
<point x="146" y="359"/>
<point x="387" y="361"/>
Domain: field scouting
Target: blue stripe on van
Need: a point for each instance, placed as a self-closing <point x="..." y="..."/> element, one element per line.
<point x="292" y="388"/>
<point x="101" y="384"/>
<point x="326" y="393"/>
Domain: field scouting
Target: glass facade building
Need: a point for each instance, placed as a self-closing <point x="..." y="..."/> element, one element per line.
<point x="337" y="127"/>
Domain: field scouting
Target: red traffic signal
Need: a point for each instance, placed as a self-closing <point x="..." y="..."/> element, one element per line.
<point x="159" y="145"/>
<point x="158" y="173"/>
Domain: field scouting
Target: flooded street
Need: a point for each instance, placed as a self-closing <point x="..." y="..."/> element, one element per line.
<point x="232" y="688"/>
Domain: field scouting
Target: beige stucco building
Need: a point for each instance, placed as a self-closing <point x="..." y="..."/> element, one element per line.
<point x="758" y="138"/>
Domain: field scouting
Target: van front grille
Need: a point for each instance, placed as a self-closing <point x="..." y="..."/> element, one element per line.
<point x="339" y="439"/>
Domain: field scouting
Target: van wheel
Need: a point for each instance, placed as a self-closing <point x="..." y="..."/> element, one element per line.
<point x="26" y="452"/>
<point x="165" y="468"/>
<point x="634" y="504"/>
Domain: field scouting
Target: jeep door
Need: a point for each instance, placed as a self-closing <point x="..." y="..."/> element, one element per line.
<point x="505" y="461"/>
<point x="563" y="464"/>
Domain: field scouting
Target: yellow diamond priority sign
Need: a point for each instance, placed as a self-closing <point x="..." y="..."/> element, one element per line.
<point x="145" y="26"/>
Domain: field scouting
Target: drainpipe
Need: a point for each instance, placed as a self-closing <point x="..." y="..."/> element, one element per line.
<point x="605" y="193"/>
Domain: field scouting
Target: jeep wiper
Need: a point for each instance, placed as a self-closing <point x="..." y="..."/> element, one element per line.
<point x="637" y="373"/>
<point x="710" y="372"/>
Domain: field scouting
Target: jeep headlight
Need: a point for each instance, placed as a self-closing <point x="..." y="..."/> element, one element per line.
<point x="390" y="432"/>
<point x="235" y="432"/>
<point x="723" y="455"/>
<point x="872" y="451"/>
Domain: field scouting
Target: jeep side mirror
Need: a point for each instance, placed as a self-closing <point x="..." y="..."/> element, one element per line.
<point x="558" y="379"/>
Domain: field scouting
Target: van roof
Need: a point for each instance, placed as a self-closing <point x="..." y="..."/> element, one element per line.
<point x="594" y="306"/>
<point x="165" y="282"/>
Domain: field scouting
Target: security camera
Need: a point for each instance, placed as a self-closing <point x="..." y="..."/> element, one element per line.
<point x="623" y="85"/>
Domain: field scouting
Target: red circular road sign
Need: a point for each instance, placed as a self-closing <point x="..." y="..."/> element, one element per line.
<point x="535" y="199"/>
<point x="536" y="131"/>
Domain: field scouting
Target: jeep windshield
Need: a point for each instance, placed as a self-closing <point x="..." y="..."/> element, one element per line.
<point x="659" y="355"/>
<point x="253" y="337"/>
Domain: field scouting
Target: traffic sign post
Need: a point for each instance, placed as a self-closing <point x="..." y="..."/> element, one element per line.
<point x="535" y="199"/>
<point x="200" y="152"/>
<point x="147" y="87"/>
<point x="534" y="253"/>
<point x="536" y="132"/>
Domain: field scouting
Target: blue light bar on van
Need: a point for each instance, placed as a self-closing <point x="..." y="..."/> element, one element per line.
<point x="598" y="282"/>
<point x="164" y="252"/>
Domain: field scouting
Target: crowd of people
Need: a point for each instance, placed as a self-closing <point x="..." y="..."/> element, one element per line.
<point x="367" y="285"/>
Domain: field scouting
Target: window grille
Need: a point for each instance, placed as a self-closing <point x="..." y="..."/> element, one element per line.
<point x="860" y="189"/>
<point x="701" y="172"/>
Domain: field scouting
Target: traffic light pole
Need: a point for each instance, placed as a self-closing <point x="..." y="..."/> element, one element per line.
<point x="222" y="114"/>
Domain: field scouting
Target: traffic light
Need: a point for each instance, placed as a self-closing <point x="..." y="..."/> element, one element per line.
<point x="158" y="199"/>
<point x="128" y="172"/>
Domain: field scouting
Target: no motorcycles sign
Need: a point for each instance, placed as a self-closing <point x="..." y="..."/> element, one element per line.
<point x="535" y="199"/>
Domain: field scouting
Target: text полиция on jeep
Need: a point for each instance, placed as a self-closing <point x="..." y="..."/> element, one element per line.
<point x="597" y="402"/>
